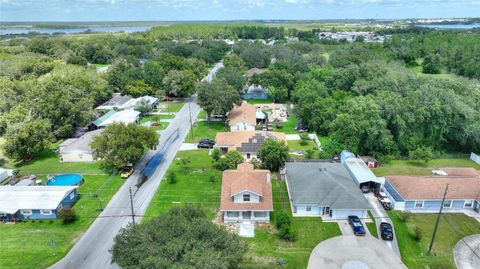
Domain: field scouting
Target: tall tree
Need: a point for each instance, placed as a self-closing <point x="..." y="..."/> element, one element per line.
<point x="273" y="154"/>
<point x="209" y="93"/>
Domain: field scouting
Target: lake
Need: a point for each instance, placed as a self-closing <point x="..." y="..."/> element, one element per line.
<point x="450" y="26"/>
<point x="113" y="29"/>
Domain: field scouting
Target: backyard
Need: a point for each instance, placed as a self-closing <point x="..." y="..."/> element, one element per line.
<point x="171" y="107"/>
<point x="415" y="168"/>
<point x="194" y="187"/>
<point x="451" y="229"/>
<point x="204" y="129"/>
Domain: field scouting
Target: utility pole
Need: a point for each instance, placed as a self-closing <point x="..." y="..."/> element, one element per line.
<point x="190" y="114"/>
<point x="438" y="220"/>
<point x="131" y="205"/>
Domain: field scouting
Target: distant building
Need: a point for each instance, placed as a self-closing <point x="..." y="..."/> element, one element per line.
<point x="246" y="194"/>
<point x="424" y="193"/>
<point x="242" y="118"/>
<point x="5" y="173"/>
<point x="78" y="149"/>
<point x="35" y="202"/>
<point x="115" y="102"/>
<point x="325" y="190"/>
<point x="255" y="92"/>
<point x="246" y="142"/>
<point x="123" y="116"/>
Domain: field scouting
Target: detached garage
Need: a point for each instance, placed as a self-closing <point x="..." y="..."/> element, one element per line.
<point x="325" y="190"/>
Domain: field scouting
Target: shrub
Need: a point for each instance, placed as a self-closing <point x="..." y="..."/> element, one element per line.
<point x="283" y="222"/>
<point x="414" y="231"/>
<point x="216" y="154"/>
<point x="282" y="219"/>
<point x="229" y="161"/>
<point x="287" y="233"/>
<point x="403" y="216"/>
<point x="67" y="215"/>
<point x="171" y="177"/>
<point x="212" y="179"/>
<point x="309" y="154"/>
<point x="304" y="139"/>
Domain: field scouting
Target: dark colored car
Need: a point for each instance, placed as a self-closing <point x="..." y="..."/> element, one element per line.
<point x="206" y="141"/>
<point x="205" y="145"/>
<point x="386" y="231"/>
<point x="357" y="225"/>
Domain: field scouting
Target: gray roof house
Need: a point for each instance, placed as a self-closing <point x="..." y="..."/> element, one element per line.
<point x="115" y="102"/>
<point x="78" y="149"/>
<point x="325" y="190"/>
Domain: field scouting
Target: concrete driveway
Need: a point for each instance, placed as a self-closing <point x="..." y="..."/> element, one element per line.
<point x="467" y="252"/>
<point x="352" y="251"/>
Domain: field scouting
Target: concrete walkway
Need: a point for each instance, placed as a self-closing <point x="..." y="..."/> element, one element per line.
<point x="349" y="249"/>
<point x="381" y="216"/>
<point x="188" y="146"/>
<point x="467" y="252"/>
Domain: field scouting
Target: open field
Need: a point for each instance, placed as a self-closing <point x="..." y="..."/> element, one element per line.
<point x="31" y="240"/>
<point x="259" y="101"/>
<point x="195" y="188"/>
<point x="415" y="168"/>
<point x="451" y="229"/>
<point x="288" y="126"/>
<point x="172" y="107"/>
<point x="204" y="129"/>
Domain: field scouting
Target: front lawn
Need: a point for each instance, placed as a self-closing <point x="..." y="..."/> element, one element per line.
<point x="372" y="226"/>
<point x="204" y="129"/>
<point x="28" y="244"/>
<point x="452" y="228"/>
<point x="171" y="107"/>
<point x="415" y="168"/>
<point x="295" y="145"/>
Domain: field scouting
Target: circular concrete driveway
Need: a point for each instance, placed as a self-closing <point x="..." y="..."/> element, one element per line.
<point x="344" y="251"/>
<point x="467" y="252"/>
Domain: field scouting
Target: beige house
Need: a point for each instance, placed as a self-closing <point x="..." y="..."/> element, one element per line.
<point x="243" y="118"/>
<point x="246" y="142"/>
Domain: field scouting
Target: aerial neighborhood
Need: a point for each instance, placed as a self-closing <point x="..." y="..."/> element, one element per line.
<point x="344" y="144"/>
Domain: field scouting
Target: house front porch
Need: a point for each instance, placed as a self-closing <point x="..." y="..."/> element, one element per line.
<point x="241" y="216"/>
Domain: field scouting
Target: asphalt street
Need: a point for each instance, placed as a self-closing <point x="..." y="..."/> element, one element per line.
<point x="92" y="249"/>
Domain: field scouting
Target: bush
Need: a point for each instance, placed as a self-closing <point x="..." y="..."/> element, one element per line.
<point x="67" y="214"/>
<point x="283" y="222"/>
<point x="309" y="154"/>
<point x="212" y="179"/>
<point x="282" y="218"/>
<point x="216" y="154"/>
<point x="403" y="216"/>
<point x="304" y="139"/>
<point x="415" y="231"/>
<point x="171" y="178"/>
<point x="229" y="161"/>
<point x="287" y="233"/>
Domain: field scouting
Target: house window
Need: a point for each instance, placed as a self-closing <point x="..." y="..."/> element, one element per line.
<point x="246" y="197"/>
<point x="418" y="204"/>
<point x="26" y="212"/>
<point x="248" y="155"/>
<point x="468" y="204"/>
<point x="308" y="209"/>
<point x="259" y="214"/>
<point x="447" y="203"/>
<point x="72" y="195"/>
<point x="232" y="214"/>
<point x="46" y="212"/>
<point x="238" y="128"/>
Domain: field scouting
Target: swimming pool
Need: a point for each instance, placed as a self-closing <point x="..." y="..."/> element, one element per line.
<point x="65" y="180"/>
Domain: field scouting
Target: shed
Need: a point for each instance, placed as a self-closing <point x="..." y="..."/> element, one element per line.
<point x="361" y="174"/>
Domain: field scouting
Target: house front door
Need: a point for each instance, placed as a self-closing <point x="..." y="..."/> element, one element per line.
<point x="247" y="214"/>
<point x="326" y="211"/>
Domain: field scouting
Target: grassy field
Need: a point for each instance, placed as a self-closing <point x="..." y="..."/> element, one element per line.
<point x="414" y="168"/>
<point x="27" y="244"/>
<point x="172" y="107"/>
<point x="288" y="126"/>
<point x="194" y="187"/>
<point x="259" y="101"/>
<point x="294" y="145"/>
<point x="451" y="229"/>
<point x="203" y="129"/>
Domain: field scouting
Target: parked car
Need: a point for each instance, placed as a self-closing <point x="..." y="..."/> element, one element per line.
<point x="384" y="201"/>
<point x="386" y="231"/>
<point x="357" y="225"/>
<point x="206" y="140"/>
<point x="127" y="172"/>
<point x="204" y="145"/>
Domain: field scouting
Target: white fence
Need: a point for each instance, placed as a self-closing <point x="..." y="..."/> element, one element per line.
<point x="474" y="157"/>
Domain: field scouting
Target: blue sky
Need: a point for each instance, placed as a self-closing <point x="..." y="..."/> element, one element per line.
<point x="123" y="10"/>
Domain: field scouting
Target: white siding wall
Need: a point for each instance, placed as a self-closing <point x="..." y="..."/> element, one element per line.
<point x="343" y="214"/>
<point x="302" y="211"/>
<point x="77" y="157"/>
<point x="242" y="126"/>
<point x="253" y="198"/>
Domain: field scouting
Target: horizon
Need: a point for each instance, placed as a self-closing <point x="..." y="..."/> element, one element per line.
<point x="233" y="10"/>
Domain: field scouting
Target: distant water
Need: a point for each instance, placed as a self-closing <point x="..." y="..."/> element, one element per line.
<point x="450" y="26"/>
<point x="112" y="29"/>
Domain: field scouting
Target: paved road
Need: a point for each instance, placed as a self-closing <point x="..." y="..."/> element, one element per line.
<point x="467" y="252"/>
<point x="92" y="250"/>
<point x="363" y="251"/>
<point x="382" y="216"/>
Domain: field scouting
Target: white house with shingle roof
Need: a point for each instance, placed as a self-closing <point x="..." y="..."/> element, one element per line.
<point x="78" y="149"/>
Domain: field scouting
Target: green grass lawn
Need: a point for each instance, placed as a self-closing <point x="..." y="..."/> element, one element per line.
<point x="451" y="229"/>
<point x="260" y="101"/>
<point x="48" y="163"/>
<point x="172" y="107"/>
<point x="372" y="226"/>
<point x="414" y="168"/>
<point x="203" y="129"/>
<point x="294" y="145"/>
<point x="202" y="114"/>
<point x="192" y="187"/>
<point x="27" y="244"/>
<point x="288" y="126"/>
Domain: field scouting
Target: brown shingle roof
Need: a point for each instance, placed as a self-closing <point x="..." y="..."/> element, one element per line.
<point x="240" y="140"/>
<point x="245" y="112"/>
<point x="464" y="183"/>
<point x="245" y="178"/>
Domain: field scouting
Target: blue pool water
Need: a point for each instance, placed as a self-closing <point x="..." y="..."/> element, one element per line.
<point x="65" y="180"/>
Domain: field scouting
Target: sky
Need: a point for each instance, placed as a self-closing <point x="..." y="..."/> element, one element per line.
<point x="181" y="10"/>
